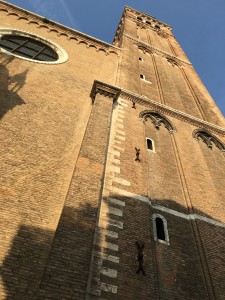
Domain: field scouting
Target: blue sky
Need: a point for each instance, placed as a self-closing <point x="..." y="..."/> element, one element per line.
<point x="199" y="26"/>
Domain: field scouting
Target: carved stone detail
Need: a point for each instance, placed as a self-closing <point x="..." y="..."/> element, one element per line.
<point x="156" y="50"/>
<point x="157" y="119"/>
<point x="145" y="49"/>
<point x="169" y="111"/>
<point x="104" y="89"/>
<point x="173" y="61"/>
<point x="162" y="34"/>
<point x="208" y="139"/>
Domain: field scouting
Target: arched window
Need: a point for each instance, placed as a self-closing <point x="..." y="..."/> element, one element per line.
<point x="150" y="144"/>
<point x="148" y="22"/>
<point x="160" y="229"/>
<point x="157" y="119"/>
<point x="208" y="139"/>
<point x="157" y="26"/>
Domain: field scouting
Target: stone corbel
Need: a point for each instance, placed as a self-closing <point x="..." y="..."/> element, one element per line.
<point x="104" y="89"/>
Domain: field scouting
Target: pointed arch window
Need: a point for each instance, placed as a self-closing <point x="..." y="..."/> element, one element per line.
<point x="157" y="120"/>
<point x="208" y="139"/>
<point x="161" y="234"/>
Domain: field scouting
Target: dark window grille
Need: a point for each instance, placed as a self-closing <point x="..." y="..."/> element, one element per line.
<point x="28" y="47"/>
<point x="160" y="229"/>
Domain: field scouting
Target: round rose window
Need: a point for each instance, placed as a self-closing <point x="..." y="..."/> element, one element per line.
<point x="28" y="47"/>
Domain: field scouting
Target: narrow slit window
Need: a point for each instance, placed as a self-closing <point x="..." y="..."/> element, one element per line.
<point x="150" y="145"/>
<point x="142" y="76"/>
<point x="160" y="229"/>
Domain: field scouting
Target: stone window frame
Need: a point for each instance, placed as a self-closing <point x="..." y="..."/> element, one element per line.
<point x="154" y="216"/>
<point x="153" y="145"/>
<point x="62" y="54"/>
<point x="208" y="138"/>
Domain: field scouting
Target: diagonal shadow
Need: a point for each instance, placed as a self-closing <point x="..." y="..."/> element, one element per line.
<point x="9" y="97"/>
<point x="43" y="264"/>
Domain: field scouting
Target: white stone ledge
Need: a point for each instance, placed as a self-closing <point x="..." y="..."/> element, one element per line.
<point x="120" y="137"/>
<point x="121" y="181"/>
<point x="119" y="126"/>
<point x="105" y="256"/>
<point x="107" y="232"/>
<point x="121" y="132"/>
<point x="118" y="121"/>
<point x="130" y="195"/>
<point x="106" y="221"/>
<point x="111" y="200"/>
<point x="108" y="272"/>
<point x="115" y="147"/>
<point x="107" y="287"/>
<point x="114" y="169"/>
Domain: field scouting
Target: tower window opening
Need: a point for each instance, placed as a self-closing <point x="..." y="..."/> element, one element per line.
<point x="141" y="59"/>
<point x="149" y="23"/>
<point x="160" y="229"/>
<point x="139" y="19"/>
<point x="150" y="145"/>
<point x="142" y="76"/>
<point x="157" y="26"/>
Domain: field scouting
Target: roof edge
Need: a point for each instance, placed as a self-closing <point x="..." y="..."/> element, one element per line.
<point x="147" y="15"/>
<point x="54" y="23"/>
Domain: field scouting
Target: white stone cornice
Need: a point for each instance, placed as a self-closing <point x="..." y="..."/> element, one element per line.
<point x="156" y="50"/>
<point x="159" y="107"/>
<point x="171" y="111"/>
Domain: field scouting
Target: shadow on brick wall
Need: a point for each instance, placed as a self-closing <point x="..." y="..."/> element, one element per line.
<point x="24" y="267"/>
<point x="10" y="86"/>
<point x="36" y="267"/>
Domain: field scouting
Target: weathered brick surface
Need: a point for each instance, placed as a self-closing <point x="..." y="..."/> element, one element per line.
<point x="62" y="157"/>
<point x="69" y="258"/>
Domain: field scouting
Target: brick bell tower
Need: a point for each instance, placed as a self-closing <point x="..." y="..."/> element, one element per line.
<point x="161" y="224"/>
<point x="113" y="184"/>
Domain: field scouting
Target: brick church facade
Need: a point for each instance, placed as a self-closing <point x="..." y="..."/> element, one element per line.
<point x="112" y="165"/>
